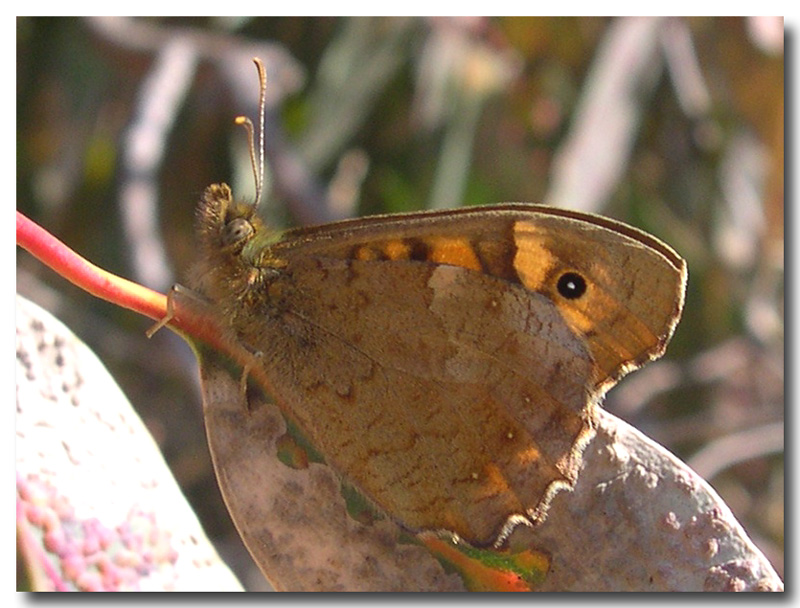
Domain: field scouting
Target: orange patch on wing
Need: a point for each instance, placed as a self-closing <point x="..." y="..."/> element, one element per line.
<point x="456" y="251"/>
<point x="397" y="250"/>
<point x="366" y="253"/>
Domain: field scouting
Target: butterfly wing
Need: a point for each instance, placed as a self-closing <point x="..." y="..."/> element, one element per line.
<point x="434" y="361"/>
<point x="634" y="283"/>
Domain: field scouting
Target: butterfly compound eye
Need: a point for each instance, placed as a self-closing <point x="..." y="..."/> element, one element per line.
<point x="236" y="232"/>
<point x="571" y="285"/>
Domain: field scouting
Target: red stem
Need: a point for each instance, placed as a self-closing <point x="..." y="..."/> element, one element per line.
<point x="188" y="320"/>
<point x="79" y="271"/>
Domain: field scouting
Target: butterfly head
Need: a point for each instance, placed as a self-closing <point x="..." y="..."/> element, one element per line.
<point x="228" y="232"/>
<point x="225" y="225"/>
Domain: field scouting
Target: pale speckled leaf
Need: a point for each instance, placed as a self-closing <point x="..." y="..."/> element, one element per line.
<point x="97" y="507"/>
<point x="639" y="519"/>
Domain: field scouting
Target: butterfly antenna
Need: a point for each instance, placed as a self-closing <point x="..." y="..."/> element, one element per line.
<point x="258" y="165"/>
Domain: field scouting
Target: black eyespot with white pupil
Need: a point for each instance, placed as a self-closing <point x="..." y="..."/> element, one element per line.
<point x="571" y="285"/>
<point x="236" y="231"/>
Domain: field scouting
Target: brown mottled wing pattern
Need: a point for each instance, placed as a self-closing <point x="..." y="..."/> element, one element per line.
<point x="433" y="362"/>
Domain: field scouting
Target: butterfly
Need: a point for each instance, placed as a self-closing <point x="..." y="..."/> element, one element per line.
<point x="447" y="364"/>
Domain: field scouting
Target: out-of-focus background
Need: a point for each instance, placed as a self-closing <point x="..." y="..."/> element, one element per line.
<point x="673" y="125"/>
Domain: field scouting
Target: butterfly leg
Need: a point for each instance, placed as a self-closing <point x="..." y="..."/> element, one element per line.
<point x="246" y="373"/>
<point x="174" y="291"/>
